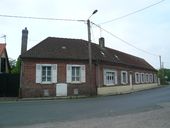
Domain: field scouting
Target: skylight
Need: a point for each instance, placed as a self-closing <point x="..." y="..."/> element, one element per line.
<point x="102" y="53"/>
<point x="64" y="47"/>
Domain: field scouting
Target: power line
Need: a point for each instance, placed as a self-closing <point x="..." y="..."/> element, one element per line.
<point x="124" y="41"/>
<point x="39" y="18"/>
<point x="126" y="15"/>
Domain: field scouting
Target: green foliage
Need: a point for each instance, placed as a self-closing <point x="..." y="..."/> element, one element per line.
<point x="167" y="73"/>
<point x="17" y="67"/>
<point x="164" y="75"/>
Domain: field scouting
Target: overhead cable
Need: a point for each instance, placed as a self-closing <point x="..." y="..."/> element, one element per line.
<point x="124" y="41"/>
<point x="126" y="15"/>
<point x="39" y="18"/>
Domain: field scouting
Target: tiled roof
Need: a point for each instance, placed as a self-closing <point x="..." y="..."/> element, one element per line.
<point x="77" y="49"/>
<point x="2" y="48"/>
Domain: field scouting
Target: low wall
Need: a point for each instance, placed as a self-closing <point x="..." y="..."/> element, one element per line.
<point x="112" y="90"/>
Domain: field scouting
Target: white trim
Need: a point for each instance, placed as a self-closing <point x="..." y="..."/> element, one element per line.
<point x="106" y="82"/>
<point x="126" y="75"/>
<point x="150" y="78"/>
<point x="142" y="78"/>
<point x="137" y="78"/>
<point x="146" y="78"/>
<point x="82" y="73"/>
<point x="39" y="73"/>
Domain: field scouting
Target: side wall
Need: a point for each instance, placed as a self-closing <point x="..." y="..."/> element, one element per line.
<point x="118" y="68"/>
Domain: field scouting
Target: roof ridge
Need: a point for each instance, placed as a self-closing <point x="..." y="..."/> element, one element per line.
<point x="65" y="38"/>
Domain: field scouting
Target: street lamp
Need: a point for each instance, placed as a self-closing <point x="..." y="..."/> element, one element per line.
<point x="89" y="51"/>
<point x="4" y="36"/>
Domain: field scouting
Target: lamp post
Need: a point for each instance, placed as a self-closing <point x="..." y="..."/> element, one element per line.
<point x="4" y="36"/>
<point x="90" y="52"/>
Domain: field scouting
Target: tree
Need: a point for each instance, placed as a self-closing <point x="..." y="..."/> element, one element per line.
<point x="16" y="66"/>
<point x="164" y="75"/>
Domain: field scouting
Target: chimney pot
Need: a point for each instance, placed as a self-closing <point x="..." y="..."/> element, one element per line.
<point x="101" y="42"/>
<point x="24" y="40"/>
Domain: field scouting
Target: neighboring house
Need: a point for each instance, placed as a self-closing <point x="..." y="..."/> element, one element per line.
<point x="4" y="62"/>
<point x="60" y="67"/>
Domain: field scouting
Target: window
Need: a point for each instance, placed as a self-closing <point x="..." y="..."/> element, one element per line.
<point x="124" y="77"/>
<point x="110" y="77"/>
<point x="150" y="78"/>
<point x="146" y="78"/>
<point x="46" y="73"/>
<point x="76" y="73"/>
<point x="137" y="77"/>
<point x="142" y="78"/>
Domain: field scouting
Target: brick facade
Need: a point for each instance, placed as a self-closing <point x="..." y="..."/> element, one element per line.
<point x="30" y="88"/>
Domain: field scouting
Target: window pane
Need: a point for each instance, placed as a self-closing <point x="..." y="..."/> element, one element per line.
<point x="73" y="78"/>
<point x="46" y="73"/>
<point x="110" y="78"/>
<point x="76" y="74"/>
<point x="49" y="78"/>
<point x="78" y="71"/>
<point x="73" y="71"/>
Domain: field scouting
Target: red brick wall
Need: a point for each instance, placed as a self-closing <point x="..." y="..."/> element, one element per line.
<point x="31" y="89"/>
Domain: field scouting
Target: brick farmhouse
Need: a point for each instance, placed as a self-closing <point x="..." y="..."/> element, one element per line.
<point x="60" y="67"/>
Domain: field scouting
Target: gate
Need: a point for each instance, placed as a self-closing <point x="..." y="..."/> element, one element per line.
<point x="9" y="85"/>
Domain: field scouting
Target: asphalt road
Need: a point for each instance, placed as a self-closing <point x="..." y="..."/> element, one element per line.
<point x="26" y="113"/>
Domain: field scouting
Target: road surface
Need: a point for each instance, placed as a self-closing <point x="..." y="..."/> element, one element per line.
<point x="150" y="108"/>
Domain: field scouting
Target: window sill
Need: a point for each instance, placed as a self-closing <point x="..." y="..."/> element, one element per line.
<point x="46" y="83"/>
<point x="110" y="84"/>
<point x="76" y="82"/>
<point x="124" y="83"/>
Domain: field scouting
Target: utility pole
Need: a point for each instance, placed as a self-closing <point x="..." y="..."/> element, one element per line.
<point x="160" y="62"/>
<point x="90" y="53"/>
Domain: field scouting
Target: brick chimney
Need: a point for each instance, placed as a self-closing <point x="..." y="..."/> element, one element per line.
<point x="24" y="40"/>
<point x="101" y="42"/>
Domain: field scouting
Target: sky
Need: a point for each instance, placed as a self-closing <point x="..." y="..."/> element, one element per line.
<point x="148" y="30"/>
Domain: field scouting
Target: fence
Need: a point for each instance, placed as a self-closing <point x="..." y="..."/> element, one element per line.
<point x="9" y="85"/>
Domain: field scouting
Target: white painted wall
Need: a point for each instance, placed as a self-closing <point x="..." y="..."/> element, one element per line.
<point x="124" y="89"/>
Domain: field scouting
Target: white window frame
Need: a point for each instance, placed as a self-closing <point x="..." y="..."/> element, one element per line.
<point x="46" y="75"/>
<point x="142" y="78"/>
<point x="82" y="74"/>
<point x="39" y="73"/>
<point x="146" y="78"/>
<point x="137" y="77"/>
<point x="106" y="82"/>
<point x="150" y="78"/>
<point x="122" y="77"/>
<point x="76" y="78"/>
